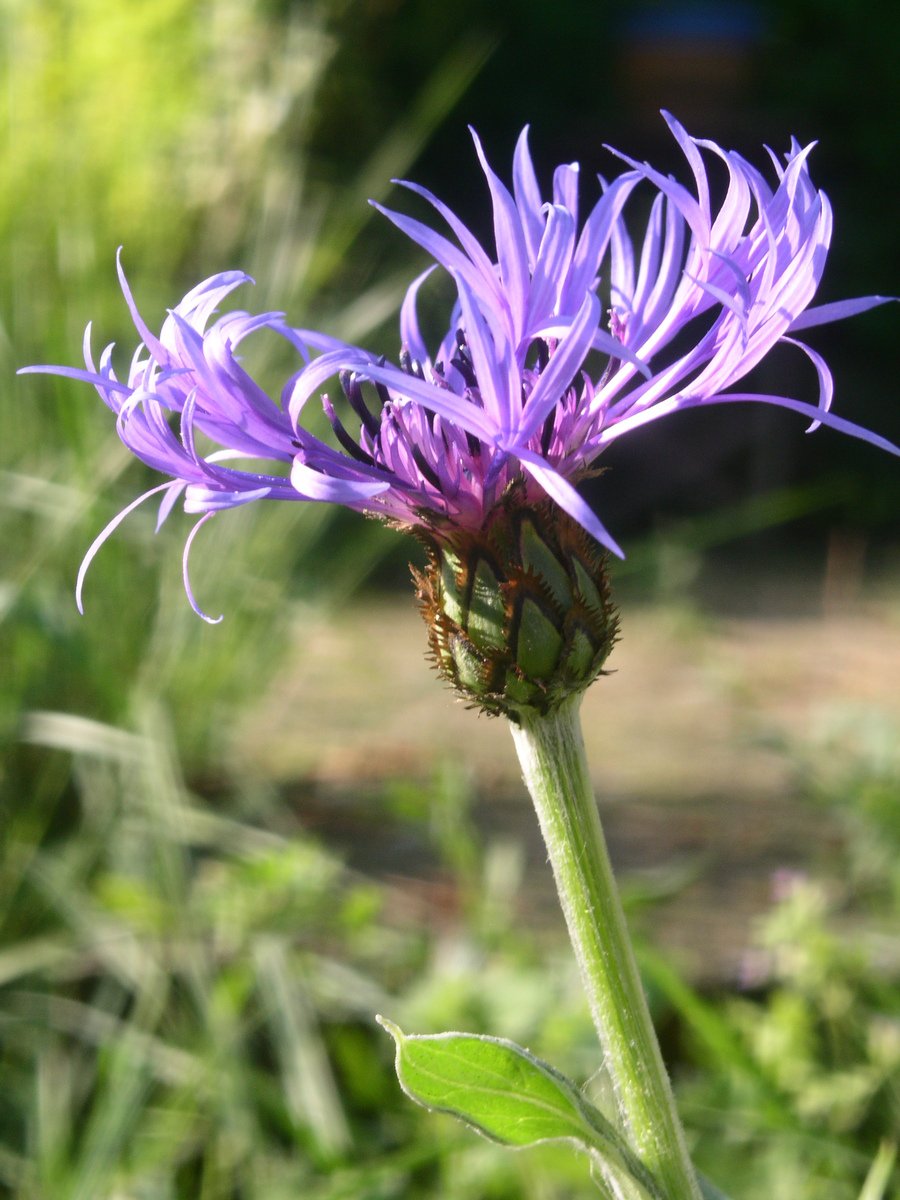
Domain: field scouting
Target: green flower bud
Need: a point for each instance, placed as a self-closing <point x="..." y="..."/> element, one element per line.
<point x="518" y="612"/>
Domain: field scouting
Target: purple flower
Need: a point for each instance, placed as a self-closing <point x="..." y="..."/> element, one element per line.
<point x="537" y="373"/>
<point x="191" y="372"/>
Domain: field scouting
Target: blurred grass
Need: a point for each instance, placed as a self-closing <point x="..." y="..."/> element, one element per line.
<point x="187" y="988"/>
<point x="186" y="996"/>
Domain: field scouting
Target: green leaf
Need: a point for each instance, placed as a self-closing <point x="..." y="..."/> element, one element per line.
<point x="511" y="1097"/>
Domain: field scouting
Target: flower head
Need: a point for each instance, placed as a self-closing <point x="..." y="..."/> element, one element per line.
<point x="185" y="384"/>
<point x="562" y="338"/>
<point x="537" y="375"/>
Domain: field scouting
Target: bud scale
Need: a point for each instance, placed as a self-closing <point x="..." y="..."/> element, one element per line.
<point x="518" y="612"/>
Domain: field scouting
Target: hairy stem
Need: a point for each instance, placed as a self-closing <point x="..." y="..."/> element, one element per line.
<point x="551" y="753"/>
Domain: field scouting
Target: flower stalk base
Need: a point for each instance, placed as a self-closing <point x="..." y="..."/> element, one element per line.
<point x="551" y="753"/>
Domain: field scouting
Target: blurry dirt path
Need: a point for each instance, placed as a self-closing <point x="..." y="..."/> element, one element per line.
<point x="696" y="743"/>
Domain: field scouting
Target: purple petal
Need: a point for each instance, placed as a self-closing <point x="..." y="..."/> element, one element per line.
<point x="149" y="339"/>
<point x="439" y="400"/>
<point x="110" y="528"/>
<point x="313" y="485"/>
<point x="200" y="499"/>
<point x="492" y="361"/>
<point x="826" y="381"/>
<point x="410" y="334"/>
<point x="99" y="381"/>
<point x="469" y="242"/>
<point x="201" y="301"/>
<point x="837" y="311"/>
<point x="512" y="253"/>
<point x="595" y="236"/>
<point x="678" y="195"/>
<point x="168" y="503"/>
<point x="552" y="265"/>
<point x="528" y="195"/>
<point x="557" y="376"/>
<point x="445" y="253"/>
<point x="816" y="415"/>
<point x="189" y="591"/>
<point x="694" y="157"/>
<point x="560" y="490"/>
<point x="565" y="187"/>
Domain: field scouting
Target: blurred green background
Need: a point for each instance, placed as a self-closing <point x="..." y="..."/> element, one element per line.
<point x="225" y="848"/>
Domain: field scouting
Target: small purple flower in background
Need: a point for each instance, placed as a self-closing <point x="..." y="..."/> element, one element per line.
<point x="536" y="374"/>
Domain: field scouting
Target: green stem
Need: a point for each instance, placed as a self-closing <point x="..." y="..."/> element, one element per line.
<point x="551" y="753"/>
